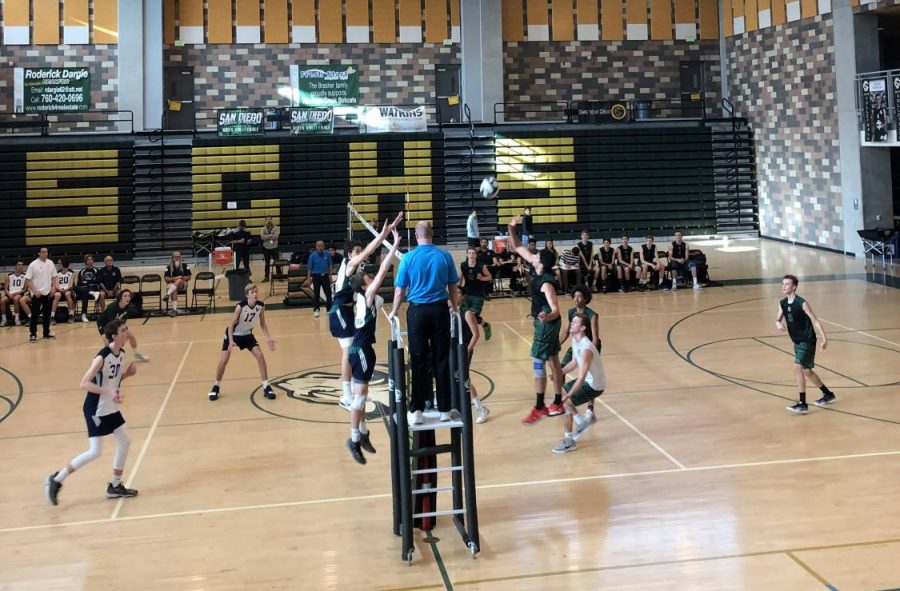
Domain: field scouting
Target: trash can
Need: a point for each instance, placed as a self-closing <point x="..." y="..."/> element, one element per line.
<point x="641" y="110"/>
<point x="237" y="281"/>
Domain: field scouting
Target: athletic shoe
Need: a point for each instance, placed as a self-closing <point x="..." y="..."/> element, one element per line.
<point x="214" y="393"/>
<point x="119" y="491"/>
<point x="697" y="286"/>
<point x="674" y="285"/>
<point x="365" y="443"/>
<point x="565" y="446"/>
<point x="95" y="295"/>
<point x="345" y="403"/>
<point x="172" y="312"/>
<point x="32" y="338"/>
<point x="141" y="357"/>
<point x="53" y="321"/>
<point x="84" y="318"/>
<point x="452" y="415"/>
<point x="316" y="313"/>
<point x="269" y="393"/>
<point x="801" y="408"/>
<point x="18" y="321"/>
<point x="829" y="398"/>
<point x="582" y="424"/>
<point x="416" y="418"/>
<point x="3" y="321"/>
<point x="357" y="454"/>
<point x="554" y="410"/>
<point x="71" y="319"/>
<point x="665" y="287"/>
<point x="621" y="289"/>
<point x="535" y="415"/>
<point x="487" y="331"/>
<point x="49" y="336"/>
<point x="482" y="415"/>
<point x="52" y="489"/>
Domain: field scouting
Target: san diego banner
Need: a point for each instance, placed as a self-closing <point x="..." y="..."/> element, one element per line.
<point x="393" y="119"/>
<point x="311" y="120"/>
<point x="240" y="122"/>
<point x="47" y="90"/>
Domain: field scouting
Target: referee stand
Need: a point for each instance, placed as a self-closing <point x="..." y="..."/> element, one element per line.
<point x="415" y="451"/>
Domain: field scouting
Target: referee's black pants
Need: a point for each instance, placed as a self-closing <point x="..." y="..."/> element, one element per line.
<point x="40" y="304"/>
<point x="323" y="281"/>
<point x="429" y="330"/>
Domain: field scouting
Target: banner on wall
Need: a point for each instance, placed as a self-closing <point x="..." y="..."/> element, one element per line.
<point x="875" y="103"/>
<point x="897" y="106"/>
<point x="393" y="119"/>
<point x="48" y="90"/>
<point x="311" y="120"/>
<point x="602" y="112"/>
<point x="240" y="122"/>
<point x="325" y="86"/>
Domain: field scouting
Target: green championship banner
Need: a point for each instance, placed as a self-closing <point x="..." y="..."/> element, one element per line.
<point x="307" y="120"/>
<point x="325" y="86"/>
<point x="46" y="90"/>
<point x="240" y="122"/>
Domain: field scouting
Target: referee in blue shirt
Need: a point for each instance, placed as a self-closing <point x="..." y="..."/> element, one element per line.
<point x="318" y="267"/>
<point x="427" y="277"/>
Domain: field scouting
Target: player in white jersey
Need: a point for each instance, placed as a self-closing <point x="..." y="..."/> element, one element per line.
<point x="340" y="316"/>
<point x="15" y="291"/>
<point x="64" y="290"/>
<point x="102" y="414"/>
<point x="589" y="385"/>
<point x="247" y="314"/>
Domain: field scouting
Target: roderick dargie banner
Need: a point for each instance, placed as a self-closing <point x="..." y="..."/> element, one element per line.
<point x="393" y="119"/>
<point x="875" y="103"/>
<point x="897" y="106"/>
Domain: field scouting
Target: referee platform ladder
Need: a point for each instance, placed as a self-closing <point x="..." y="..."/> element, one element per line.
<point x="415" y="451"/>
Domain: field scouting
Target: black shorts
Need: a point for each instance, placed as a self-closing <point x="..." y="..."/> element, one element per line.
<point x="362" y="363"/>
<point x="241" y="341"/>
<point x="105" y="425"/>
<point x="341" y="321"/>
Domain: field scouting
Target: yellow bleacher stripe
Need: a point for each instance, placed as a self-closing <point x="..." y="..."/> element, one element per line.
<point x="48" y="184"/>
<point x="73" y="202"/>
<point x="72" y="155"/>
<point x="70" y="174"/>
<point x="66" y="193"/>
<point x="64" y="224"/>
<point x="76" y="239"/>
<point x="72" y="231"/>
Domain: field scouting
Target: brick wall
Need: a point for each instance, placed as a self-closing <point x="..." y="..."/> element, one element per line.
<point x="783" y="80"/>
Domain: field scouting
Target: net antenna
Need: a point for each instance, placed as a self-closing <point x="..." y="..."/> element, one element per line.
<point x="354" y="216"/>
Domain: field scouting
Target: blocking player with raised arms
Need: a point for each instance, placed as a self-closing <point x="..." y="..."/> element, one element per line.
<point x="797" y="317"/>
<point x="340" y="316"/>
<point x="589" y="384"/>
<point x="102" y="414"/>
<point x="362" y="351"/>
<point x="247" y="314"/>
<point x="547" y="323"/>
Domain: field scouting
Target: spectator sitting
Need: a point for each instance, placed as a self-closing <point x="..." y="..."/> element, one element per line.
<point x="121" y="309"/>
<point x="88" y="286"/>
<point x="679" y="261"/>
<point x="4" y="302"/>
<point x="63" y="291"/>
<point x="176" y="276"/>
<point x="650" y="261"/>
<point x="15" y="293"/>
<point x="604" y="261"/>
<point x="110" y="278"/>
<point x="569" y="265"/>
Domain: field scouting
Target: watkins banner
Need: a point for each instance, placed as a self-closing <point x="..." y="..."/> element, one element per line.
<point x="47" y="90"/>
<point x="325" y="86"/>
<point x="875" y="109"/>
<point x="393" y="119"/>
<point x="897" y="106"/>
<point x="240" y="122"/>
<point x="311" y="120"/>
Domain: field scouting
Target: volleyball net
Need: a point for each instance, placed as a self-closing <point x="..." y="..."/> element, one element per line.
<point x="359" y="228"/>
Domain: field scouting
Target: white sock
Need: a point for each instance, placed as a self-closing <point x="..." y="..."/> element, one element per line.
<point x="568" y="435"/>
<point x="174" y="304"/>
<point x="116" y="480"/>
<point x="171" y="289"/>
<point x="216" y="383"/>
<point x="265" y="383"/>
<point x="363" y="428"/>
<point x="354" y="435"/>
<point x="477" y="403"/>
<point x="348" y="393"/>
<point x="61" y="475"/>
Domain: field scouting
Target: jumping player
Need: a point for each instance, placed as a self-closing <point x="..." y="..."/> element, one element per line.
<point x="340" y="316"/>
<point x="362" y="351"/>
<point x="547" y="323"/>
<point x="102" y="414"/>
<point x="802" y="326"/>
<point x="476" y="280"/>
<point x="247" y="313"/>
<point x="589" y="385"/>
<point x="121" y="309"/>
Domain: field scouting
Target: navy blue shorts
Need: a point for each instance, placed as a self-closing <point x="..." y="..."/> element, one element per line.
<point x="340" y="321"/>
<point x="362" y="363"/>
<point x="241" y="341"/>
<point x="105" y="425"/>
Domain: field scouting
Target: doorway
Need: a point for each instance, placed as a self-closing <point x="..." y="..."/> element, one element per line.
<point x="179" y="98"/>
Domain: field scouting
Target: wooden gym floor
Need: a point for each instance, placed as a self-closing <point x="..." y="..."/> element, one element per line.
<point x="694" y="477"/>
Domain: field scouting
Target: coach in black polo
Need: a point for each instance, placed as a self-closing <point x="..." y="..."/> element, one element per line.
<point x="427" y="277"/>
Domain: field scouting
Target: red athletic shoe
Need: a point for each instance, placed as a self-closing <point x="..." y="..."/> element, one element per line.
<point x="554" y="410"/>
<point x="535" y="415"/>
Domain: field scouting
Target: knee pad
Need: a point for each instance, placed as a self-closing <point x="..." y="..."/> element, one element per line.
<point x="359" y="402"/>
<point x="537" y="365"/>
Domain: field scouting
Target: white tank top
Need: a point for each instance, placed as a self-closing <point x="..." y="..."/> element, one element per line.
<point x="596" y="377"/>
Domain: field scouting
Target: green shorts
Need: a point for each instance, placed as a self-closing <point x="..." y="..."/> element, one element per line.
<point x="584" y="394"/>
<point x="567" y="358"/>
<point x="805" y="353"/>
<point x="474" y="303"/>
<point x="546" y="339"/>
